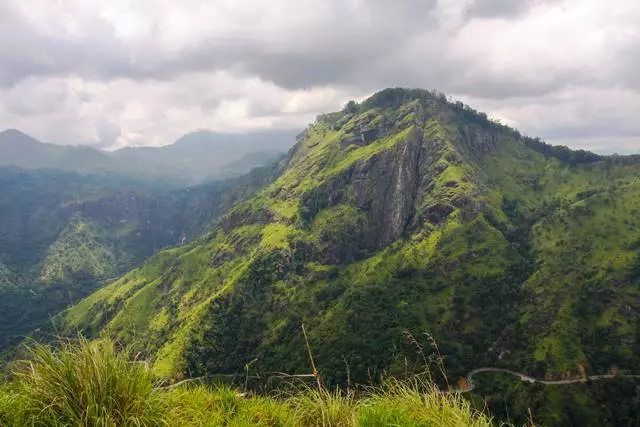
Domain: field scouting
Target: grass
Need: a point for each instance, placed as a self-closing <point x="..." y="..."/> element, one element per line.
<point x="92" y="384"/>
<point x="397" y="403"/>
<point x="416" y="403"/>
<point x="84" y="383"/>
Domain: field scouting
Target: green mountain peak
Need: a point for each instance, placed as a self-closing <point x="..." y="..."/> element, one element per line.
<point x="402" y="213"/>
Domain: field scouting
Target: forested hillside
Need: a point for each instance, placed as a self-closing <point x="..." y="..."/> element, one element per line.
<point x="63" y="235"/>
<point x="402" y="213"/>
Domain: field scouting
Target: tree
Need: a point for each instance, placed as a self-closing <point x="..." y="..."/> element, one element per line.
<point x="351" y="107"/>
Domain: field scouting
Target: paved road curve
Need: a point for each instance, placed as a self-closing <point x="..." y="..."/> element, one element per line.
<point x="524" y="377"/>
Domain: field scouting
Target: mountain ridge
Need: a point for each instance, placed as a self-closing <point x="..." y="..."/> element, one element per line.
<point x="405" y="200"/>
<point x="192" y="159"/>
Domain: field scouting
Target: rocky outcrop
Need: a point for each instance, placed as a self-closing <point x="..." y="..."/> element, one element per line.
<point x="385" y="187"/>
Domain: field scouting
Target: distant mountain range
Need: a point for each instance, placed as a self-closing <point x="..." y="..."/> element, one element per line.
<point x="194" y="158"/>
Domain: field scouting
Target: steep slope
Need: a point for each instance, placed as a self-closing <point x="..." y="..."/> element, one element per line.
<point x="402" y="213"/>
<point x="63" y="235"/>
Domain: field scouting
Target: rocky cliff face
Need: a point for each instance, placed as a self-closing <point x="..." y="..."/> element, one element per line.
<point x="417" y="180"/>
<point x="384" y="186"/>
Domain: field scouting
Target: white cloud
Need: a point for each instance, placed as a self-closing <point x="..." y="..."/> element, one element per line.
<point x="127" y="72"/>
<point x="121" y="112"/>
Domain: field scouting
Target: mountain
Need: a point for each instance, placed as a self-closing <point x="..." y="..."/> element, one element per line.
<point x="19" y="149"/>
<point x="402" y="215"/>
<point x="63" y="235"/>
<point x="194" y="158"/>
<point x="248" y="161"/>
<point x="206" y="155"/>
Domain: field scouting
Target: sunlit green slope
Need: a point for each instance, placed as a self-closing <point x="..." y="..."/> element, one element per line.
<point x="63" y="235"/>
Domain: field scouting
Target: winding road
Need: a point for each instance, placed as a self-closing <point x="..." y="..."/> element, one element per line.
<point x="523" y="377"/>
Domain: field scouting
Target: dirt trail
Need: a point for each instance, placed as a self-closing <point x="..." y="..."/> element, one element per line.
<point x="524" y="377"/>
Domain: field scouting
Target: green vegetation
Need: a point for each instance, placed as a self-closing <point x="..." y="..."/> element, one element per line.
<point x="403" y="213"/>
<point x="81" y="384"/>
<point x="77" y="253"/>
<point x="63" y="235"/>
<point x="408" y="213"/>
<point x="588" y="404"/>
<point x="91" y="384"/>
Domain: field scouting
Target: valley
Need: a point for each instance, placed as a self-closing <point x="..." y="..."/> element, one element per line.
<point x="64" y="235"/>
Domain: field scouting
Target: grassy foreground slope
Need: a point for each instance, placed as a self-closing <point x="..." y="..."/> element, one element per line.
<point x="91" y="384"/>
<point x="403" y="213"/>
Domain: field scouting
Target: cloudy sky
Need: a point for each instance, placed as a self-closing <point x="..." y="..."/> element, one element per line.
<point x="143" y="72"/>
